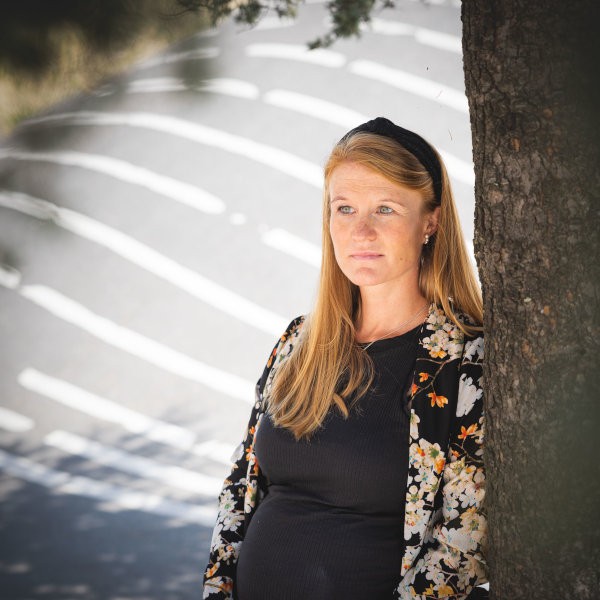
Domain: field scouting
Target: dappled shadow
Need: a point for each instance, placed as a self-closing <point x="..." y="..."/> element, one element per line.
<point x="188" y="63"/>
<point x="56" y="545"/>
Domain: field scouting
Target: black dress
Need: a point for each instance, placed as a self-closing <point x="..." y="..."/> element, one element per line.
<point x="331" y="524"/>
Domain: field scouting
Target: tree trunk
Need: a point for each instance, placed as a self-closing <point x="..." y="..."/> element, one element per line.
<point x="531" y="72"/>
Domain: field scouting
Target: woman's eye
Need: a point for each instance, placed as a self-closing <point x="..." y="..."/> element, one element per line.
<point x="345" y="210"/>
<point x="386" y="210"/>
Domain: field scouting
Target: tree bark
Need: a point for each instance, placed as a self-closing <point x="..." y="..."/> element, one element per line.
<point x="531" y="71"/>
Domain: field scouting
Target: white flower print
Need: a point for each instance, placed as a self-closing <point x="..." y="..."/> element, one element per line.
<point x="414" y="425"/>
<point x="474" y="350"/>
<point x="226" y="501"/>
<point x="468" y="393"/>
<point x="231" y="521"/>
<point x="446" y="339"/>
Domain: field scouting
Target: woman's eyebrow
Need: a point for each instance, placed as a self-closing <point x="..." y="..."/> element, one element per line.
<point x="340" y="198"/>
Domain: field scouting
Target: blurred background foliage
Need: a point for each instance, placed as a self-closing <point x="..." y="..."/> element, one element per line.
<point x="52" y="49"/>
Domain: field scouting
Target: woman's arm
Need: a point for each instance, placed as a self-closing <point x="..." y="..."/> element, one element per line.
<point x="452" y="560"/>
<point x="238" y="496"/>
<point x="228" y="532"/>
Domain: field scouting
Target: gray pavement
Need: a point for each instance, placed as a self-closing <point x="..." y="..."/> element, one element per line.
<point x="156" y="235"/>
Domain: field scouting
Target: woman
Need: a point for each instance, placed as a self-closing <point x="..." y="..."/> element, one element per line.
<point x="361" y="476"/>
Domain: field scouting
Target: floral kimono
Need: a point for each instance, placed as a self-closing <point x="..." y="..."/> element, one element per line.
<point x="445" y="523"/>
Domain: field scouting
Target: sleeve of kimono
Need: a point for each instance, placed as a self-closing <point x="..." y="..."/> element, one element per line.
<point x="228" y="533"/>
<point x="452" y="562"/>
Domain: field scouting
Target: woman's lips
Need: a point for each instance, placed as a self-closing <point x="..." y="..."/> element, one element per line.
<point x="365" y="255"/>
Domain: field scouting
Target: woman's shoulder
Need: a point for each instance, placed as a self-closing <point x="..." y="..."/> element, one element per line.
<point x="292" y="331"/>
<point x="472" y="340"/>
<point x="287" y="339"/>
<point x="282" y="349"/>
<point x="296" y="324"/>
<point x="451" y="337"/>
<point x="469" y="327"/>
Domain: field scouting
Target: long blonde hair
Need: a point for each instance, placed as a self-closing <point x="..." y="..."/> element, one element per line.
<point x="306" y="386"/>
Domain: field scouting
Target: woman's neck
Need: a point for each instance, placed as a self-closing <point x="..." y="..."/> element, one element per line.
<point x="385" y="311"/>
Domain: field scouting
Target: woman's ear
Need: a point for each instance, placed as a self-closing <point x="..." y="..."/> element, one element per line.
<point x="431" y="221"/>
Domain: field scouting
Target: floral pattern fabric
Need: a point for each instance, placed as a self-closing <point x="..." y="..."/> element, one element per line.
<point x="445" y="524"/>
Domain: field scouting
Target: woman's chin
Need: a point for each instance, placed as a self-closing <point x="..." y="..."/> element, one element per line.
<point x="364" y="280"/>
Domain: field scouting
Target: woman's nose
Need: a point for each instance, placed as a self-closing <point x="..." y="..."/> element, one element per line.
<point x="363" y="229"/>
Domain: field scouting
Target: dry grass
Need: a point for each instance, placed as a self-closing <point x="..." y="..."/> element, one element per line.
<point x="78" y="68"/>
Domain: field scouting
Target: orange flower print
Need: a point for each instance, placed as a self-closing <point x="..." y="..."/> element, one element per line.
<point x="439" y="400"/>
<point x="212" y="570"/>
<point x="249" y="451"/>
<point x="438" y="353"/>
<point x="439" y="465"/>
<point x="445" y="590"/>
<point x="414" y="388"/>
<point x="464" y="431"/>
<point x="423" y="377"/>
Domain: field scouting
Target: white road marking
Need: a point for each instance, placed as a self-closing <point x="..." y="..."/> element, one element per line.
<point x="209" y="33"/>
<point x="149" y="259"/>
<point x="323" y="58"/>
<point x="137" y="344"/>
<point x="229" y="87"/>
<point x="95" y="406"/>
<point x="179" y="191"/>
<point x="117" y="497"/>
<point x="437" y="39"/>
<point x="314" y="107"/>
<point x="386" y="27"/>
<point x="293" y="245"/>
<point x="135" y="465"/>
<point x="428" y="37"/>
<point x="9" y="278"/>
<point x="419" y="86"/>
<point x="15" y="422"/>
<point x="275" y="158"/>
<point x="154" y="85"/>
<point x="457" y="168"/>
<point x="196" y="54"/>
<point x="237" y="219"/>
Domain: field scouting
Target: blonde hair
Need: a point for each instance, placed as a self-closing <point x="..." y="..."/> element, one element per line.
<point x="326" y="357"/>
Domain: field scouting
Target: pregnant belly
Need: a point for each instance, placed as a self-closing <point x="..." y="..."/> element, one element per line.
<point x="298" y="549"/>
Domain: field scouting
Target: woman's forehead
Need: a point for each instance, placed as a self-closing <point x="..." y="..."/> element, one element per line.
<point x="352" y="178"/>
<point x="352" y="173"/>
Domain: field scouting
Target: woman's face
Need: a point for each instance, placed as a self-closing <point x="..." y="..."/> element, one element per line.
<point x="377" y="227"/>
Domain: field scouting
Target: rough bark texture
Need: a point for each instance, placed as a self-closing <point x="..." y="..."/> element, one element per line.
<point x="531" y="72"/>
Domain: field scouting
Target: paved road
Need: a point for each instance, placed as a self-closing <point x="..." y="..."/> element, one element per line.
<point x="156" y="236"/>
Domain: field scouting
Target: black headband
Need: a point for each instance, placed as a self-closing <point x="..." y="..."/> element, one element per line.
<point x="413" y="142"/>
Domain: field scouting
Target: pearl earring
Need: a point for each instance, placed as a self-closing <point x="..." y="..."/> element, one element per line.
<point x="426" y="239"/>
